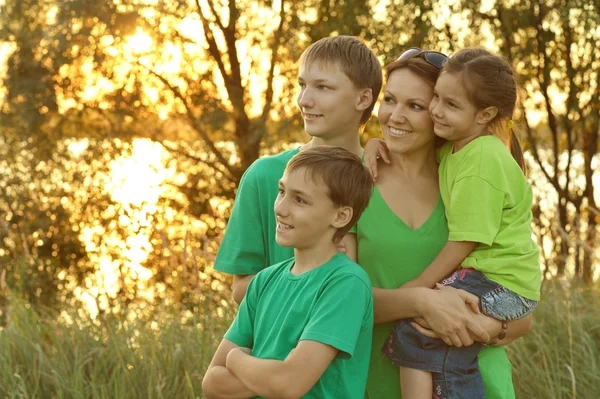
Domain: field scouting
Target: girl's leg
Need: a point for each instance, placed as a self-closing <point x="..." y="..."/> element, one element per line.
<point x="415" y="384"/>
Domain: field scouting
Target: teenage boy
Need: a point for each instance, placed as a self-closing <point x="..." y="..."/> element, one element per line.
<point x="340" y="79"/>
<point x="304" y="327"/>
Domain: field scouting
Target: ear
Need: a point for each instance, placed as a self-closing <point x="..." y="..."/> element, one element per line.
<point x="342" y="217"/>
<point x="486" y="115"/>
<point x="365" y="100"/>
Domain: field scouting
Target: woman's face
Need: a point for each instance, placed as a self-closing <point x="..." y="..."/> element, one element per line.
<point x="404" y="113"/>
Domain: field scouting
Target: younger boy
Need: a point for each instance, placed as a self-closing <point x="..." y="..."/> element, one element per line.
<point x="340" y="79"/>
<point x="304" y="327"/>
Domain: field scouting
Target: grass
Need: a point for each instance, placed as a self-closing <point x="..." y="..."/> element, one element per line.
<point x="561" y="358"/>
<point x="42" y="357"/>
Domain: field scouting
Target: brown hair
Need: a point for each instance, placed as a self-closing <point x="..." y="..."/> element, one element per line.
<point x="357" y="61"/>
<point x="348" y="181"/>
<point x="426" y="71"/>
<point x="490" y="81"/>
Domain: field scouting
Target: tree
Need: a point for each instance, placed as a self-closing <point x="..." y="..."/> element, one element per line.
<point x="552" y="44"/>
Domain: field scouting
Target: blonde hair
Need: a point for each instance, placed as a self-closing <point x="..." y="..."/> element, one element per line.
<point x="353" y="56"/>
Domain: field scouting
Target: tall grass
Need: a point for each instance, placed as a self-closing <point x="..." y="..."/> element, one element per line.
<point x="561" y="358"/>
<point x="44" y="357"/>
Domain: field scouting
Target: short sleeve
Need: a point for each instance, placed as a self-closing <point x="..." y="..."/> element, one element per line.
<point x="342" y="310"/>
<point x="242" y="249"/>
<point x="475" y="211"/>
<point x="241" y="331"/>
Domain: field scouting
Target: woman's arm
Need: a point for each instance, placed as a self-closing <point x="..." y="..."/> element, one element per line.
<point x="516" y="329"/>
<point x="446" y="310"/>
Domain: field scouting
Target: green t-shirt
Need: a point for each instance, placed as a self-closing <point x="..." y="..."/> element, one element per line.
<point x="488" y="200"/>
<point x="393" y="254"/>
<point x="249" y="245"/>
<point x="332" y="304"/>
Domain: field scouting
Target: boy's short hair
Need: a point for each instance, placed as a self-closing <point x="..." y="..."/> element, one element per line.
<point x="348" y="181"/>
<point x="357" y="61"/>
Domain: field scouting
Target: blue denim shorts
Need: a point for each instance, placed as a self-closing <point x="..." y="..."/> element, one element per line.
<point x="455" y="370"/>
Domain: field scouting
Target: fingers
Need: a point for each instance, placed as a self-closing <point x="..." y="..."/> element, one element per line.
<point x="478" y="332"/>
<point x="382" y="152"/>
<point x="341" y="247"/>
<point x="470" y="299"/>
<point x="465" y="338"/>
<point x="372" y="166"/>
<point x="423" y="323"/>
<point x="424" y="331"/>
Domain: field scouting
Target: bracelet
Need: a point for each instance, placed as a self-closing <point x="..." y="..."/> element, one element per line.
<point x="501" y="335"/>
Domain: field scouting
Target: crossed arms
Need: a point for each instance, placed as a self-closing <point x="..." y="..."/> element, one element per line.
<point x="234" y="373"/>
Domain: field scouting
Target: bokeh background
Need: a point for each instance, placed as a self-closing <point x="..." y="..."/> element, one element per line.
<point x="126" y="126"/>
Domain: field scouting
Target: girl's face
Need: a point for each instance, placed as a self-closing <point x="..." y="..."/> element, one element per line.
<point x="404" y="115"/>
<point x="455" y="118"/>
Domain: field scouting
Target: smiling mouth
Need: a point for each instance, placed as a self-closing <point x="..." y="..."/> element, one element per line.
<point x="311" y="117"/>
<point x="438" y="123"/>
<point x="398" y="132"/>
<point x="283" y="227"/>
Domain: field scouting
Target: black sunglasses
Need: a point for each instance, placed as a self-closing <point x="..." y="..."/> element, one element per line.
<point x="434" y="58"/>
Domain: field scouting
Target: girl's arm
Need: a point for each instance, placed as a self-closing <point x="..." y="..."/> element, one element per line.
<point x="375" y="149"/>
<point x="451" y="256"/>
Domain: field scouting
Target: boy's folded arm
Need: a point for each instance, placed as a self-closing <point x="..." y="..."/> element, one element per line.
<point x="221" y="383"/>
<point x="290" y="378"/>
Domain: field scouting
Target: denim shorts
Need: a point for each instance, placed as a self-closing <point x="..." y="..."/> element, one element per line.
<point x="455" y="370"/>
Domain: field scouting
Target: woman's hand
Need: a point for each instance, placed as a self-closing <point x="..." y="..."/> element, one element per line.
<point x="491" y="325"/>
<point x="375" y="149"/>
<point x="451" y="315"/>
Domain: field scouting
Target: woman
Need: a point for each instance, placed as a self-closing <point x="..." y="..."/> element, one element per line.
<point x="404" y="228"/>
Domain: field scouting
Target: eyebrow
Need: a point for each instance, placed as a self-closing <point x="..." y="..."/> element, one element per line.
<point x="297" y="192"/>
<point x="449" y="97"/>
<point x="301" y="79"/>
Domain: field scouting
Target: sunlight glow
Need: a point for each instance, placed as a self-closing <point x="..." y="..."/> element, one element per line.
<point x="140" y="42"/>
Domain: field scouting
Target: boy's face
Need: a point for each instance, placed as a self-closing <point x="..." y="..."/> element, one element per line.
<point x="305" y="213"/>
<point x="330" y="103"/>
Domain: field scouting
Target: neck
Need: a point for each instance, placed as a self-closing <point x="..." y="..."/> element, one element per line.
<point x="349" y="142"/>
<point x="460" y="144"/>
<point x="308" y="259"/>
<point x="416" y="164"/>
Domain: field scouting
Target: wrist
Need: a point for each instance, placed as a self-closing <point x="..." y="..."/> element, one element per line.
<point x="422" y="300"/>
<point x="501" y="335"/>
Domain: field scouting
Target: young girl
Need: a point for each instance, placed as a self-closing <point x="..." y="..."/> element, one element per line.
<point x="488" y="205"/>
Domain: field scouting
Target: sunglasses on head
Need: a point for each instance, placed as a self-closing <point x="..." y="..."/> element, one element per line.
<point x="434" y="58"/>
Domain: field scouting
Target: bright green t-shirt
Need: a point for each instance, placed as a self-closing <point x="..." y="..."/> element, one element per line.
<point x="332" y="304"/>
<point x="488" y="200"/>
<point x="249" y="245"/>
<point x="392" y="254"/>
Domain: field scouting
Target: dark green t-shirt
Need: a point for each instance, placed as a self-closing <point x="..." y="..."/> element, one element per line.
<point x="392" y="254"/>
<point x="249" y="244"/>
<point x="332" y="304"/>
